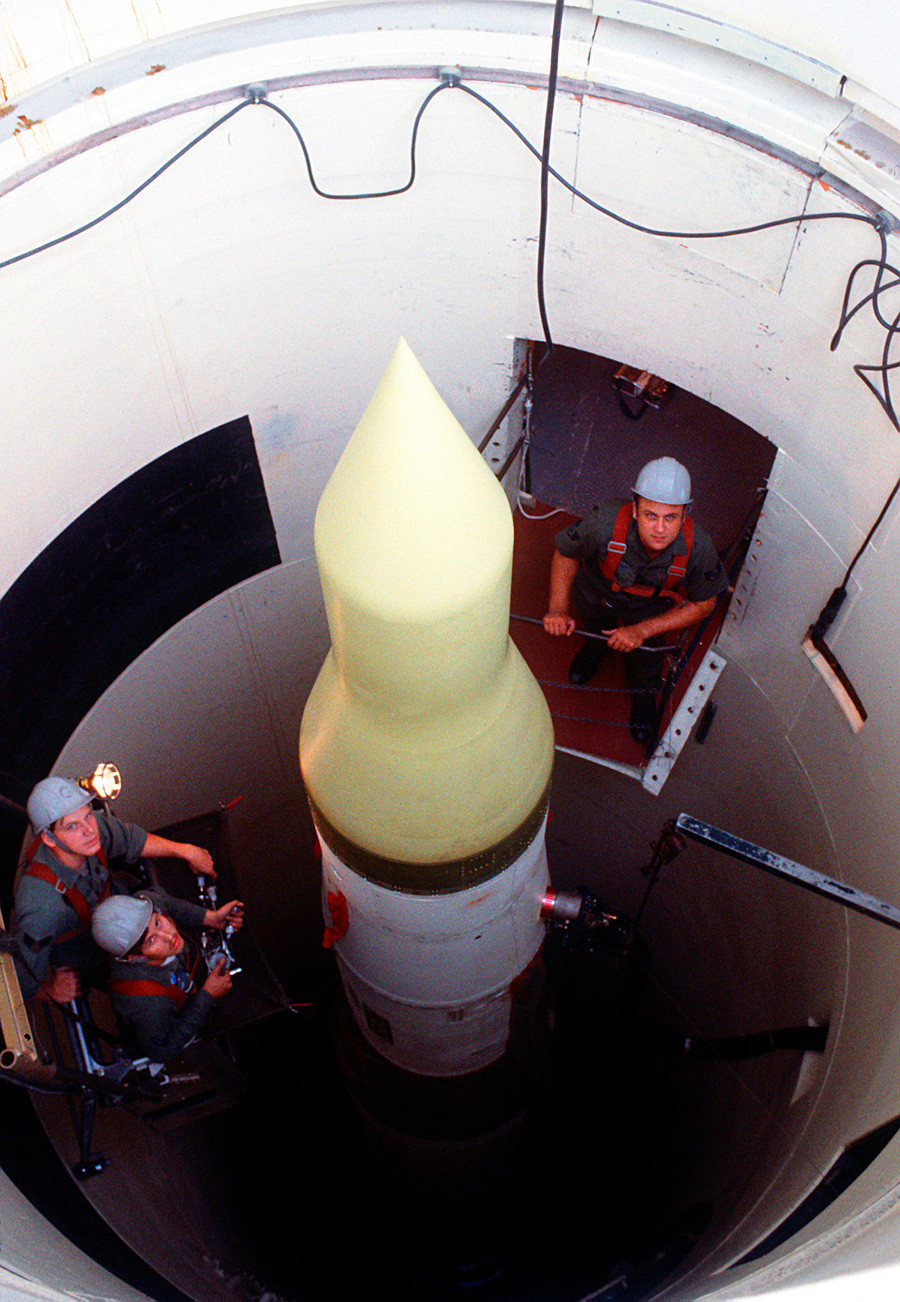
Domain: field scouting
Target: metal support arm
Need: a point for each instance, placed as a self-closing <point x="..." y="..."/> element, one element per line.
<point x="787" y="869"/>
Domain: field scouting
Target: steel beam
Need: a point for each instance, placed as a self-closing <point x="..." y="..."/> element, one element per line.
<point x="787" y="869"/>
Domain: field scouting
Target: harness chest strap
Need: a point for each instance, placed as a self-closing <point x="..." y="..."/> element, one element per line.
<point x="143" y="986"/>
<point x="615" y="550"/>
<point x="155" y="989"/>
<point x="71" y="894"/>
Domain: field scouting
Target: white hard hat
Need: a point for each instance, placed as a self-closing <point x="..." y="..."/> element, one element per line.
<point x="664" y="480"/>
<point x="53" y="798"/>
<point x="119" y="921"/>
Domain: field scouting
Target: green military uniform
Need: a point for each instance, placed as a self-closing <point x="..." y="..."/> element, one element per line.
<point x="600" y="607"/>
<point x="47" y="927"/>
<point x="158" y="1025"/>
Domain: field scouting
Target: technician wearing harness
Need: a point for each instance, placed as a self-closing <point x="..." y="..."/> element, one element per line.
<point x="64" y="878"/>
<point x="639" y="571"/>
<point x="160" y="987"/>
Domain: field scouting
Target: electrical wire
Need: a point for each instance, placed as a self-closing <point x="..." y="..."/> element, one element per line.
<point x="891" y="328"/>
<point x="370" y="194"/>
<point x="880" y="222"/>
<point x="868" y="219"/>
<point x="830" y="610"/>
<point x="252" y="99"/>
<point x="881" y="514"/>
<point x="555" y="42"/>
<point x="95" y="221"/>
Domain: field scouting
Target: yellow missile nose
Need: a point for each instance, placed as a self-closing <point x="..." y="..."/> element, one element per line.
<point x="425" y="738"/>
<point x="412" y="523"/>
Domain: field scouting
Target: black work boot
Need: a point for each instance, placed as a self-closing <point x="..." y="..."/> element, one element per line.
<point x="643" y="717"/>
<point x="585" y="661"/>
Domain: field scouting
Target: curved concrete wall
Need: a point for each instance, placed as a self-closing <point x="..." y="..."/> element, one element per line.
<point x="228" y="288"/>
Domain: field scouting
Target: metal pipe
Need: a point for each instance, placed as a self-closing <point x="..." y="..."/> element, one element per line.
<point x="520" y="385"/>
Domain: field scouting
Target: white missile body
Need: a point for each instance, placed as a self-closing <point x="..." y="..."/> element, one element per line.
<point x="426" y="744"/>
<point x="429" y="977"/>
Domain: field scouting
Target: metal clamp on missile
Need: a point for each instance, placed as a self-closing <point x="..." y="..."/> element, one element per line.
<point x="585" y="923"/>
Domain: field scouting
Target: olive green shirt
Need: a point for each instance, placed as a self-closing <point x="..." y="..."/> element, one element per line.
<point x="587" y="540"/>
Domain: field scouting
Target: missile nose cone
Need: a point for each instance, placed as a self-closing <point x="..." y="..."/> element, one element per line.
<point x="412" y="523"/>
<point x="425" y="737"/>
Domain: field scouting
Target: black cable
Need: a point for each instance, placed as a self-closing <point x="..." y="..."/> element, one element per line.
<point x="891" y="328"/>
<point x="542" y="156"/>
<point x="545" y="175"/>
<point x="372" y="194"/>
<point x="840" y="591"/>
<point x="245" y="103"/>
<point x="879" y="221"/>
<point x="884" y="394"/>
<point x="455" y="83"/>
<point x="868" y="219"/>
<point x="882" y="265"/>
<point x="829" y="612"/>
<point x="95" y="221"/>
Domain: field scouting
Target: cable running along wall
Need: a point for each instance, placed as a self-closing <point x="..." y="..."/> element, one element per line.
<point x="886" y="276"/>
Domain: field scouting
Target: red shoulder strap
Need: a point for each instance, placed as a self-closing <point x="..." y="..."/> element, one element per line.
<point x="143" y="986"/>
<point x="71" y="894"/>
<point x="615" y="548"/>
<point x="678" y="568"/>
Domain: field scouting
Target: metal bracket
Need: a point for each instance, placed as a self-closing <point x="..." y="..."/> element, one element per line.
<point x="689" y="710"/>
<point x="797" y="873"/>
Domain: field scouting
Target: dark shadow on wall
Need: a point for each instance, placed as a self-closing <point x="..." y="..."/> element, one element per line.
<point x="172" y="536"/>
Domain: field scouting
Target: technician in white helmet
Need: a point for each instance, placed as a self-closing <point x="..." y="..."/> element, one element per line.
<point x="65" y="876"/>
<point x="639" y="571"/>
<point x="161" y="989"/>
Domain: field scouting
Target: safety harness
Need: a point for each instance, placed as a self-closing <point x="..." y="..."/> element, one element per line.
<point x="71" y="894"/>
<point x="147" y="987"/>
<point x="177" y="987"/>
<point x="615" y="550"/>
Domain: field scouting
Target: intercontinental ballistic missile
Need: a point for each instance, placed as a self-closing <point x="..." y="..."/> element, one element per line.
<point x="426" y="744"/>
